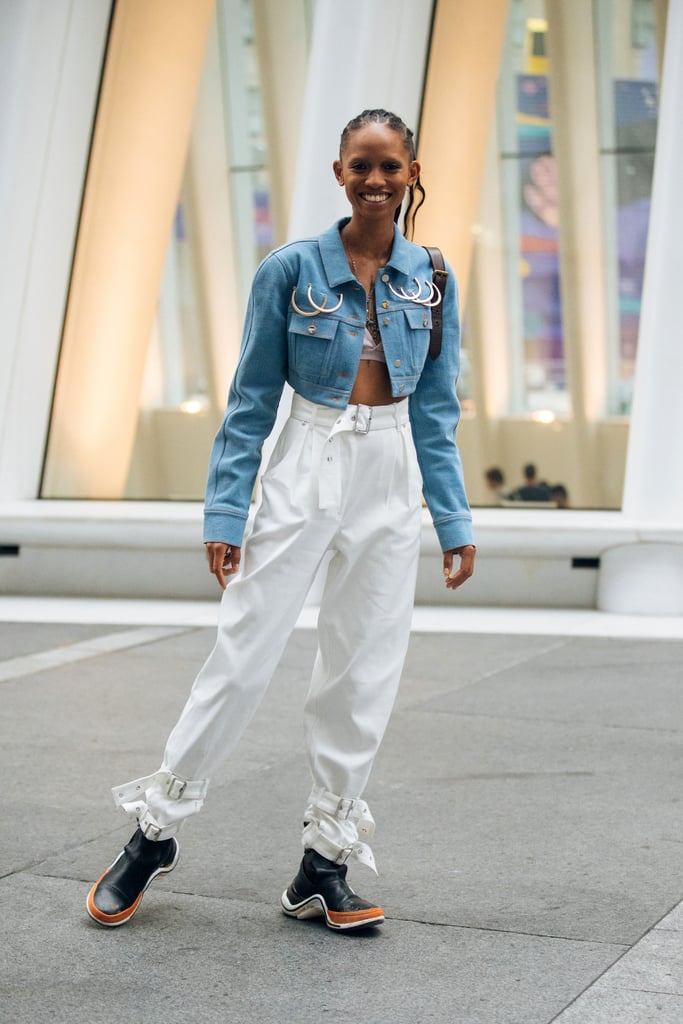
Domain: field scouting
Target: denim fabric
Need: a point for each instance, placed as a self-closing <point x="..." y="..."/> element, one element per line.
<point x="318" y="356"/>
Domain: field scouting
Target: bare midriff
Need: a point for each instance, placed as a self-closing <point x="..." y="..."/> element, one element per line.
<point x="372" y="385"/>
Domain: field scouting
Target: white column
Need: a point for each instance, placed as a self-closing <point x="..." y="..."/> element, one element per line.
<point x="50" y="66"/>
<point x="647" y="577"/>
<point x="576" y="148"/>
<point x="364" y="53"/>
<point x="282" y="44"/>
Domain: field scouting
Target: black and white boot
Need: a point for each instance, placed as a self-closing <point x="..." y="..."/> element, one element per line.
<point x="116" y="895"/>
<point x="320" y="888"/>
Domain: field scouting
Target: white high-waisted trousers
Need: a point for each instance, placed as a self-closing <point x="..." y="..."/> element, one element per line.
<point x="344" y="482"/>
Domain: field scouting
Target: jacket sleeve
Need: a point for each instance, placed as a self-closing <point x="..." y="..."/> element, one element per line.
<point x="434" y="415"/>
<point x="252" y="406"/>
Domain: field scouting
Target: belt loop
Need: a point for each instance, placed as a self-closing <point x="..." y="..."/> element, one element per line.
<point x="363" y="419"/>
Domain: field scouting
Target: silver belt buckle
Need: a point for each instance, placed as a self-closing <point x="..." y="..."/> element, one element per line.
<point x="363" y="420"/>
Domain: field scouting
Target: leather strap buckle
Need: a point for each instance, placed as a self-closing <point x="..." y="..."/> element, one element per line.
<point x="176" y="787"/>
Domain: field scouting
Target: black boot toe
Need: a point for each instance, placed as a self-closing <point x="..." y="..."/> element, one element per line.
<point x="116" y="896"/>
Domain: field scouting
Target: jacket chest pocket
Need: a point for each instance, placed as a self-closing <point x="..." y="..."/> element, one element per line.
<point x="311" y="345"/>
<point x="419" y="325"/>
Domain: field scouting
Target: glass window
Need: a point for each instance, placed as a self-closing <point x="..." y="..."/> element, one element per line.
<point x="545" y="379"/>
<point x="529" y="183"/>
<point x="627" y="104"/>
<point x="245" y="137"/>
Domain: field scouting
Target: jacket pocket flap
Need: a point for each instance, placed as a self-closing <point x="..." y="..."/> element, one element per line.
<point x="419" y="317"/>
<point x="314" y="326"/>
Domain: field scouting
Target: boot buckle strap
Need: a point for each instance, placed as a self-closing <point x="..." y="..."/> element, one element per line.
<point x="175" y="787"/>
<point x="150" y="830"/>
<point x="343" y="808"/>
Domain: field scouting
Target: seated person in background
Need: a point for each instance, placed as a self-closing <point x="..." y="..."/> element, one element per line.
<point x="532" y="489"/>
<point x="495" y="481"/>
<point x="559" y="495"/>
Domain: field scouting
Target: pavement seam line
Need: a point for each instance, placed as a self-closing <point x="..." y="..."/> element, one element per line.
<point x="522" y="659"/>
<point x="169" y="889"/>
<point x="541" y="721"/>
<point x="511" y="931"/>
<point x="630" y="949"/>
<point x="30" y="664"/>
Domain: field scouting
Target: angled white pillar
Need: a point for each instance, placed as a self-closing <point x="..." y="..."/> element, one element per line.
<point x="647" y="577"/>
<point x="50" y="66"/>
<point x="364" y="53"/>
<point x="576" y="148"/>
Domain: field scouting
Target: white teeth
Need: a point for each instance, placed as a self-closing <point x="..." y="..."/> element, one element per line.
<point x="376" y="198"/>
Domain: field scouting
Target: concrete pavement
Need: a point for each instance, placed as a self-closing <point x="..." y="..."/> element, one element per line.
<point x="529" y="836"/>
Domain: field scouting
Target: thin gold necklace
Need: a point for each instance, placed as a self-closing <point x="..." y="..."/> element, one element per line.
<point x="370" y="304"/>
<point x="354" y="265"/>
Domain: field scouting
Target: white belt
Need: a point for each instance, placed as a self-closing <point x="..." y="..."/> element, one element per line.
<point x="356" y="419"/>
<point x="360" y="419"/>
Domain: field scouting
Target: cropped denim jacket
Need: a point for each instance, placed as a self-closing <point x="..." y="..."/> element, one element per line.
<point x="319" y="355"/>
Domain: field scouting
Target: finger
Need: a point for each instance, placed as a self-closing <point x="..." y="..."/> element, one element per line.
<point x="465" y="570"/>
<point x="447" y="563"/>
<point x="217" y="570"/>
<point x="217" y="555"/>
<point x="456" y="580"/>
<point x="232" y="561"/>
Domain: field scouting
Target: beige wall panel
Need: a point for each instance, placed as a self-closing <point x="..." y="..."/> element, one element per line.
<point x="149" y="89"/>
<point x="612" y="443"/>
<point x="459" y="101"/>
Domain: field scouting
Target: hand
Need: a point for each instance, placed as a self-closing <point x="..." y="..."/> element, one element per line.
<point x="460" y="576"/>
<point x="224" y="560"/>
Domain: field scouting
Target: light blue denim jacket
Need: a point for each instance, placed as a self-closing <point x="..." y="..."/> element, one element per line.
<point x="319" y="355"/>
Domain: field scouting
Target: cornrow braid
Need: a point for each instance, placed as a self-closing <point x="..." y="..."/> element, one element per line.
<point x="393" y="121"/>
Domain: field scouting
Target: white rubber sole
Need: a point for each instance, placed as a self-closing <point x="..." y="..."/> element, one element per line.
<point x="315" y="906"/>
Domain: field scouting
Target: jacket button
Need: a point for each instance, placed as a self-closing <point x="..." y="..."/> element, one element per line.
<point x="385" y="304"/>
<point x="386" y="321"/>
<point x="402" y="387"/>
<point x="385" y="278"/>
<point x="397" y="362"/>
<point x="311" y="329"/>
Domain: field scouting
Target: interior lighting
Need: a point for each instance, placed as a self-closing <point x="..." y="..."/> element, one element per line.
<point x="543" y="416"/>
<point x="193" y="406"/>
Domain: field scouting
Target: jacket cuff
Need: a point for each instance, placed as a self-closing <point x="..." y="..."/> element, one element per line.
<point x="454" y="532"/>
<point x="224" y="527"/>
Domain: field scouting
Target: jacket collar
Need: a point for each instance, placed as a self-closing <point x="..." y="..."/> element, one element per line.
<point x="336" y="264"/>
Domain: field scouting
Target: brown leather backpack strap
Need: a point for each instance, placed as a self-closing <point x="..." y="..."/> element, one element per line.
<point x="439" y="279"/>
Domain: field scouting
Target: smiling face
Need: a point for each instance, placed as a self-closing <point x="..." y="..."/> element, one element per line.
<point x="375" y="169"/>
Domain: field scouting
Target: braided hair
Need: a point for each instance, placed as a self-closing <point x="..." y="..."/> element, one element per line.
<point x="394" y="122"/>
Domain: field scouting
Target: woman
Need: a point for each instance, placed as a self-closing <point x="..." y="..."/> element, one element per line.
<point x="346" y="320"/>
